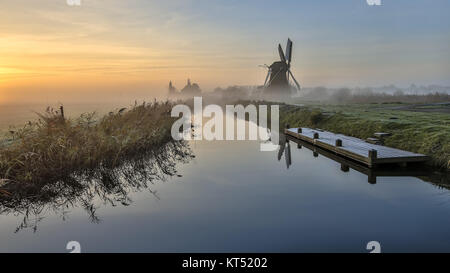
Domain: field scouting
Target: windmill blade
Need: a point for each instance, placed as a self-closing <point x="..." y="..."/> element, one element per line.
<point x="267" y="77"/>
<point x="296" y="83"/>
<point x="280" y="51"/>
<point x="282" y="148"/>
<point x="289" y="51"/>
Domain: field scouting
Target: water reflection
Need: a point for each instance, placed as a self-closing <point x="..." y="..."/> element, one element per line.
<point x="440" y="179"/>
<point x="285" y="148"/>
<point x="91" y="188"/>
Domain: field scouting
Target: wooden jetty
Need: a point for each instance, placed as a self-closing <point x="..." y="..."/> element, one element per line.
<point x="355" y="148"/>
<point x="371" y="173"/>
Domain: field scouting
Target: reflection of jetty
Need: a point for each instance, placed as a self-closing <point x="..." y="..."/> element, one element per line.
<point x="346" y="163"/>
<point x="355" y="148"/>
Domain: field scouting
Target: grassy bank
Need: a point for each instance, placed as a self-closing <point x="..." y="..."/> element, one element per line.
<point x="54" y="147"/>
<point x="422" y="132"/>
<point x="426" y="133"/>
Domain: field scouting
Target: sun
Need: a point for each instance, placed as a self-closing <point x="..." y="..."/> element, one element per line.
<point x="9" y="72"/>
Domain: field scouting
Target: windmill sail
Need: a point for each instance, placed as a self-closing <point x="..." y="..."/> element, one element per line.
<point x="267" y="77"/>
<point x="289" y="51"/>
<point x="296" y="83"/>
<point x="280" y="51"/>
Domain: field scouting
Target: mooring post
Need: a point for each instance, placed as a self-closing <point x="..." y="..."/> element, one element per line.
<point x="371" y="178"/>
<point x="338" y="142"/>
<point x="316" y="135"/>
<point x="61" y="108"/>
<point x="372" y="157"/>
<point x="287" y="126"/>
<point x="299" y="130"/>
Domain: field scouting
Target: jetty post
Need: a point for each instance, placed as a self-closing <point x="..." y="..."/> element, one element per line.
<point x="372" y="157"/>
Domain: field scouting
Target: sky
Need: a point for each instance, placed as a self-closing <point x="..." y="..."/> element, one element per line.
<point x="51" y="50"/>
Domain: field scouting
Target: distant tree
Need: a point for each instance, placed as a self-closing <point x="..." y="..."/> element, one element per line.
<point x="399" y="93"/>
<point x="366" y="92"/>
<point x="320" y="92"/>
<point x="341" y="95"/>
<point x="317" y="93"/>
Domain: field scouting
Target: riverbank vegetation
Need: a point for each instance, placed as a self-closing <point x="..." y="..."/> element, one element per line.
<point x="421" y="132"/>
<point x="93" y="188"/>
<point x="54" y="147"/>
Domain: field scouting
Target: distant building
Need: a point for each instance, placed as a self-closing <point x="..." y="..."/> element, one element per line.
<point x="191" y="90"/>
<point x="172" y="90"/>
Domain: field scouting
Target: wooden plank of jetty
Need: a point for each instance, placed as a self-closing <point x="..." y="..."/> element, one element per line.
<point x="347" y="163"/>
<point x="355" y="148"/>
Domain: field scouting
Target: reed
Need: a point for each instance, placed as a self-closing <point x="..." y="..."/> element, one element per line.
<point x="54" y="147"/>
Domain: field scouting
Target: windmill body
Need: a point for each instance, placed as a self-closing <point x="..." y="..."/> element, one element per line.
<point x="279" y="75"/>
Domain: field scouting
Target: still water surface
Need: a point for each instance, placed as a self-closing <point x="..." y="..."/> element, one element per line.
<point x="231" y="197"/>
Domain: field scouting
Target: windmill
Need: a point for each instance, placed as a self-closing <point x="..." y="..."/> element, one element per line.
<point x="278" y="74"/>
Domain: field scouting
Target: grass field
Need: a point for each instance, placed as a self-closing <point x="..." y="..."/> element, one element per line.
<point x="422" y="132"/>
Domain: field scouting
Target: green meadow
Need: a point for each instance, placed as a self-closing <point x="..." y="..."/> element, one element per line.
<point x="421" y="132"/>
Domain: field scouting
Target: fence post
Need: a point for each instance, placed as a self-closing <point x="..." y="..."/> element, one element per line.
<point x="61" y="108"/>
